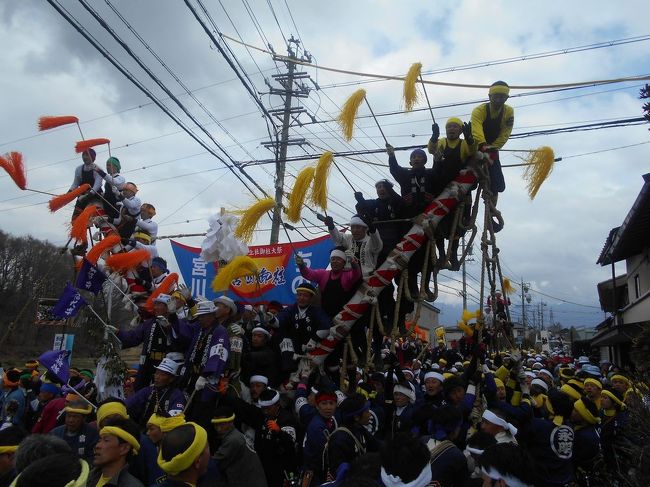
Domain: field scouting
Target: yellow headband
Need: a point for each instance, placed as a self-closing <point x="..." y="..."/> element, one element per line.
<point x="613" y="397"/>
<point x="594" y="382"/>
<point x="111" y="408"/>
<point x="124" y="435"/>
<point x="8" y="449"/>
<point x="499" y="382"/>
<point x="576" y="382"/>
<point x="83" y="476"/>
<point x="167" y="424"/>
<point x="585" y="413"/>
<point x="223" y="420"/>
<point x="570" y="391"/>
<point x="69" y="409"/>
<point x="499" y="90"/>
<point x="143" y="236"/>
<point x="455" y="120"/>
<point x="620" y="377"/>
<point x="184" y="460"/>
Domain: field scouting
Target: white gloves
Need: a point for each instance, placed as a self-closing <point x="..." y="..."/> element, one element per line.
<point x="185" y="291"/>
<point x="162" y="321"/>
<point x="112" y="329"/>
<point x="235" y="329"/>
<point x="200" y="383"/>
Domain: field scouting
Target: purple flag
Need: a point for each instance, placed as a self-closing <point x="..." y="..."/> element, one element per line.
<point x="56" y="362"/>
<point x="90" y="278"/>
<point x="69" y="303"/>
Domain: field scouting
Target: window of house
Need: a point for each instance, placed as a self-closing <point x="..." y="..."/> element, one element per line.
<point x="637" y="286"/>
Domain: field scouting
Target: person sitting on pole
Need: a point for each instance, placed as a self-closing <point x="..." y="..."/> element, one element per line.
<point x="450" y="156"/>
<point x="363" y="239"/>
<point x="114" y="183"/>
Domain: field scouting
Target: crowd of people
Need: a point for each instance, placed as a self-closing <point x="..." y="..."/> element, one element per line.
<point x="219" y="397"/>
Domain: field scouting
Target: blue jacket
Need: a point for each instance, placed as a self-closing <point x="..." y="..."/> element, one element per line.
<point x="552" y="447"/>
<point x="586" y="446"/>
<point x="12" y="405"/>
<point x="83" y="443"/>
<point x="142" y="404"/>
<point x="315" y="438"/>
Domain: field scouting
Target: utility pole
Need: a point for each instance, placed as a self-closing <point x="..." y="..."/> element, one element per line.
<point x="468" y="258"/>
<point x="292" y="86"/>
<point x="523" y="288"/>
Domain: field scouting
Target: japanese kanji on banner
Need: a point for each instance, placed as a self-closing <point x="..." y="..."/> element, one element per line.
<point x="278" y="274"/>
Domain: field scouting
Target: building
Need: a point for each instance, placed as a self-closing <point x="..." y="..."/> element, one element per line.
<point x="626" y="296"/>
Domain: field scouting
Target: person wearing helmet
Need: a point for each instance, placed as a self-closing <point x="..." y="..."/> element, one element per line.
<point x="114" y="183"/>
<point x="130" y="206"/>
<point x="145" y="223"/>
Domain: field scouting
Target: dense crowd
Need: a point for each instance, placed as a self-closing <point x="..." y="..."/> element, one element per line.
<point x="225" y="394"/>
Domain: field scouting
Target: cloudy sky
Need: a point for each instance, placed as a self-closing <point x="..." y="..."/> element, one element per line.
<point x="552" y="242"/>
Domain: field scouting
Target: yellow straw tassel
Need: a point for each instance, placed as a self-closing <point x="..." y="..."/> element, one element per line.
<point x="541" y="164"/>
<point x="299" y="192"/>
<point x="465" y="328"/>
<point x="508" y="288"/>
<point x="240" y="266"/>
<point x="319" y="189"/>
<point x="411" y="86"/>
<point x="250" y="217"/>
<point x="349" y="113"/>
<point x="469" y="315"/>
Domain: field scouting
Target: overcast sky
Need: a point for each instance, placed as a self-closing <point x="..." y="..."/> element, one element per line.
<point x="552" y="242"/>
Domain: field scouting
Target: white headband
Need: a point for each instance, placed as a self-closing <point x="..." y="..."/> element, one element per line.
<point x="259" y="329"/>
<point x="394" y="481"/>
<point x="338" y="253"/>
<point x="540" y="383"/>
<point x="546" y="372"/>
<point x="270" y="402"/>
<point x="407" y="391"/>
<point x="259" y="378"/>
<point x="475" y="451"/>
<point x="356" y="220"/>
<point x="494" y="419"/>
<point x="434" y="375"/>
<point x="494" y="474"/>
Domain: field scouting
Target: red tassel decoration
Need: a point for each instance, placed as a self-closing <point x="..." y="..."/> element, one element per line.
<point x="127" y="261"/>
<point x="79" y="228"/>
<point x="165" y="287"/>
<point x="13" y="164"/>
<point x="60" y="201"/>
<point x="99" y="248"/>
<point x="84" y="145"/>
<point x="47" y="123"/>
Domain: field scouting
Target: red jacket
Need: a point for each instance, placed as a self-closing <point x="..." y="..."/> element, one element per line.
<point x="50" y="415"/>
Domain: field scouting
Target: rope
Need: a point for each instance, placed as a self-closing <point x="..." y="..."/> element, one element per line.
<point x="438" y="83"/>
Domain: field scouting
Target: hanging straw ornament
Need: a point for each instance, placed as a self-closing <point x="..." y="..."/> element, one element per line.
<point x="540" y="164"/>
<point x="299" y="193"/>
<point x="84" y="145"/>
<point x="250" y="217"/>
<point x="165" y="287"/>
<point x="12" y="162"/>
<point x="99" y="248"/>
<point x="127" y="261"/>
<point x="60" y="201"/>
<point x="80" y="224"/>
<point x="49" y="122"/>
<point x="508" y="288"/>
<point x="349" y="113"/>
<point x="410" y="86"/>
<point x="318" y="194"/>
<point x="239" y="267"/>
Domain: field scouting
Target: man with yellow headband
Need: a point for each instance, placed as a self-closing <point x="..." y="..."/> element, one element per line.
<point x="161" y="423"/>
<point x="184" y="456"/>
<point x="585" y="419"/>
<point x="492" y="124"/>
<point x="450" y="155"/>
<point x="238" y="463"/>
<point x="117" y="444"/>
<point x="10" y="438"/>
<point x="76" y="432"/>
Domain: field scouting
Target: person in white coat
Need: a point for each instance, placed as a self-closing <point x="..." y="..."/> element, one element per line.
<point x="363" y="240"/>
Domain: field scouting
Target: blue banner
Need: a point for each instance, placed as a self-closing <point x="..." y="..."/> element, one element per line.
<point x="90" y="278"/>
<point x="57" y="362"/>
<point x="69" y="303"/>
<point x="278" y="276"/>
